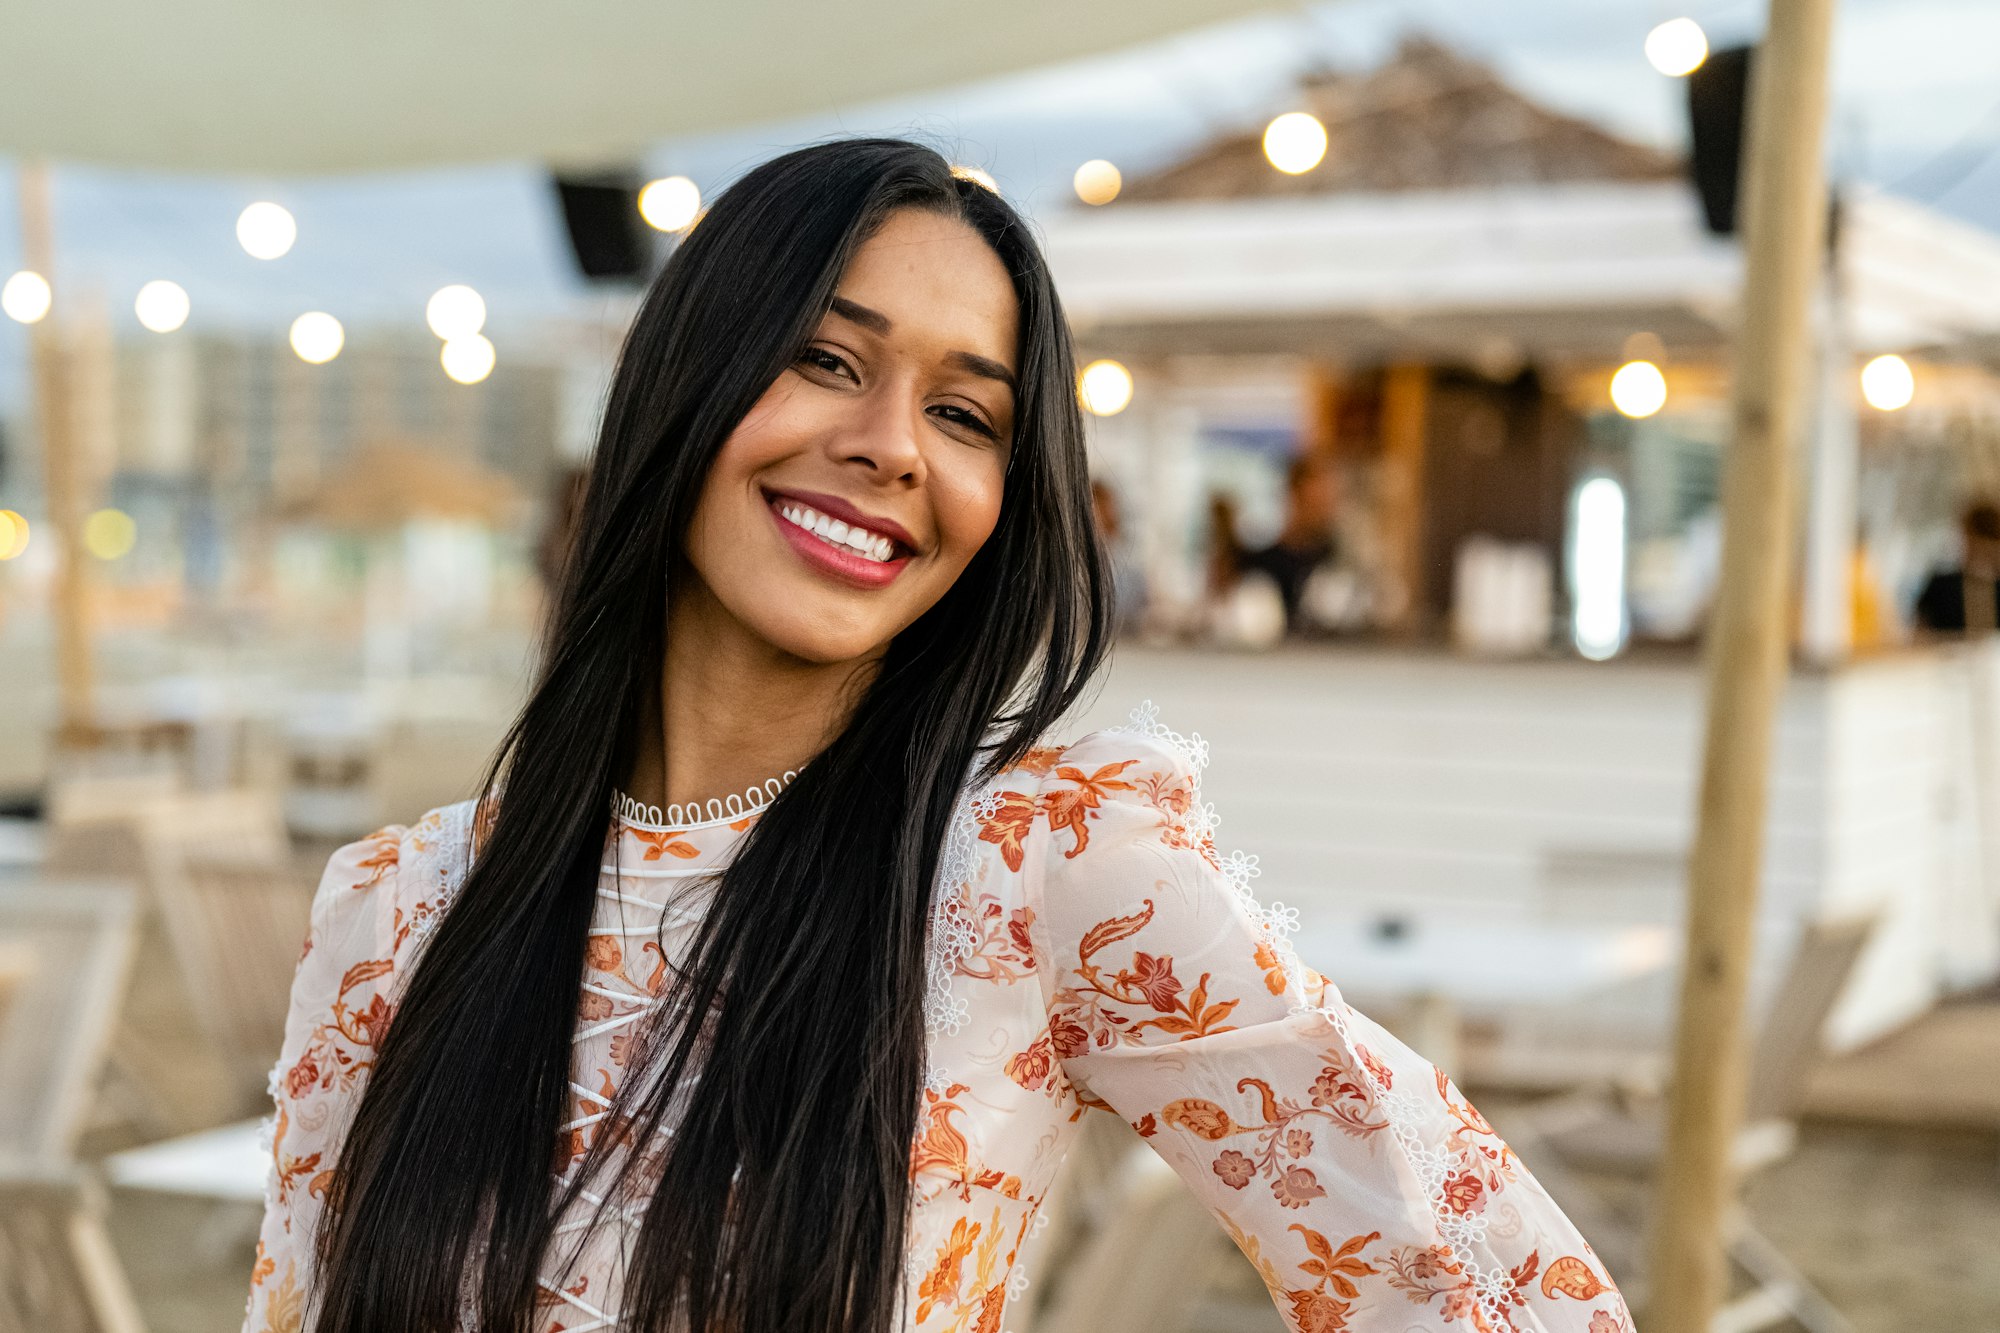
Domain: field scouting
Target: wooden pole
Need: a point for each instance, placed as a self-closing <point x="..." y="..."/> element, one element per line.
<point x="55" y="413"/>
<point x="1748" y="636"/>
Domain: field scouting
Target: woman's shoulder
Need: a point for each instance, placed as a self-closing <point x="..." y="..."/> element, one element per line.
<point x="1140" y="747"/>
<point x="379" y="890"/>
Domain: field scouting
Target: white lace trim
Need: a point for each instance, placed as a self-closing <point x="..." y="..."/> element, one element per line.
<point x="953" y="935"/>
<point x="679" y="818"/>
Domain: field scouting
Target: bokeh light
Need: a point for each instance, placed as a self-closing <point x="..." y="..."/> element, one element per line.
<point x="1097" y="182"/>
<point x="670" y="204"/>
<point x="1638" y="389"/>
<point x="26" y="297"/>
<point x="162" y="306"/>
<point x="109" y="533"/>
<point x="1677" y="47"/>
<point x="1295" y="142"/>
<point x="317" y="337"/>
<point x="456" y="311"/>
<point x="1104" y="388"/>
<point x="467" y="360"/>
<point x="266" y="230"/>
<point x="13" y="534"/>
<point x="1887" y="383"/>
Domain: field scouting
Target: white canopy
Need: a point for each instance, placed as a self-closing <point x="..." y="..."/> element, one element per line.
<point x="256" y="86"/>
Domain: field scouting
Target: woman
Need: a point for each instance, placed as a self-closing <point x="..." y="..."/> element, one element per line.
<point x="836" y="555"/>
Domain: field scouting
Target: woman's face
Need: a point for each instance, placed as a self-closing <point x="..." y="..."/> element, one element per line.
<point x="864" y="480"/>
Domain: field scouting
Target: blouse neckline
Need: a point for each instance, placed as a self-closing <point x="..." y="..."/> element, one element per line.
<point x="682" y="818"/>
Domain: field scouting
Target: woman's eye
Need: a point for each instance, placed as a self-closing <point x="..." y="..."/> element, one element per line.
<point x="959" y="416"/>
<point x="826" y="362"/>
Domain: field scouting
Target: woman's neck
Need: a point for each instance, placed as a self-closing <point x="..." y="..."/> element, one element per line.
<point x="732" y="710"/>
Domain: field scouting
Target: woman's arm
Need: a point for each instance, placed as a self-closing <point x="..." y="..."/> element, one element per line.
<point x="339" y="1010"/>
<point x="1368" y="1193"/>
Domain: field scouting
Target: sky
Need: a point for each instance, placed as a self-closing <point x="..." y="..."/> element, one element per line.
<point x="1916" y="109"/>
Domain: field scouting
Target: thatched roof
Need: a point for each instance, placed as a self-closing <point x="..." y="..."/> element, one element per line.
<point x="1427" y="119"/>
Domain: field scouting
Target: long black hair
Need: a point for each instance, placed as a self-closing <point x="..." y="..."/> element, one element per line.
<point x="787" y="1179"/>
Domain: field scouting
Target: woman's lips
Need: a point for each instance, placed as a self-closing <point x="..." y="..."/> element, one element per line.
<point x="837" y="562"/>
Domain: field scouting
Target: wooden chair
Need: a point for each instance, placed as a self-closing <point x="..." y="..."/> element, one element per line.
<point x="1625" y="1136"/>
<point x="58" y="1272"/>
<point x="234" y="912"/>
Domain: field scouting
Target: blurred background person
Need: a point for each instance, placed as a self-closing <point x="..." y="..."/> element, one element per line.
<point x="1128" y="575"/>
<point x="1305" y="541"/>
<point x="1965" y="598"/>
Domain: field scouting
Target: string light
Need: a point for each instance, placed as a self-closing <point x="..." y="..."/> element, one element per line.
<point x="1677" y="47"/>
<point x="26" y="297"/>
<point x="162" y="306"/>
<point x="1295" y="142"/>
<point x="1104" y="388"/>
<point x="1097" y="182"/>
<point x="109" y="533"/>
<point x="467" y="360"/>
<point x="266" y="230"/>
<point x="456" y="311"/>
<point x="317" y="337"/>
<point x="670" y="204"/>
<point x="1887" y="383"/>
<point x="13" y="534"/>
<point x="1638" y="389"/>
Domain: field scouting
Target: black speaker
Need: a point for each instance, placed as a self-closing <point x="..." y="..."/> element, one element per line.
<point x="1718" y="91"/>
<point x="606" y="233"/>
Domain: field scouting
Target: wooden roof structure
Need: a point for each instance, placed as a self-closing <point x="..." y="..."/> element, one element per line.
<point x="1427" y="119"/>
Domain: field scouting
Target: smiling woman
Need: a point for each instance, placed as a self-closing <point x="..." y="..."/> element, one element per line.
<point x="768" y="993"/>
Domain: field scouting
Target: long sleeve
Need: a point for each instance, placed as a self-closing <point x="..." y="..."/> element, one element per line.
<point x="339" y="1010"/>
<point x="1368" y="1193"/>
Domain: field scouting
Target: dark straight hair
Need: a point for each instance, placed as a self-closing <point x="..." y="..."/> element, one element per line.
<point x="785" y="1182"/>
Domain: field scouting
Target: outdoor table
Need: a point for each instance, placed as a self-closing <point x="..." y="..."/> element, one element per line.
<point x="1434" y="970"/>
<point x="228" y="1163"/>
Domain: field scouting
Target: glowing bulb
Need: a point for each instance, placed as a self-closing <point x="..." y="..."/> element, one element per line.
<point x="1887" y="384"/>
<point x="455" y="312"/>
<point x="1104" y="388"/>
<point x="162" y="306"/>
<point x="1677" y="47"/>
<point x="1638" y="389"/>
<point x="1295" y="142"/>
<point x="978" y="175"/>
<point x="317" y="337"/>
<point x="670" y="204"/>
<point x="109" y="533"/>
<point x="26" y="297"/>
<point x="467" y="360"/>
<point x="13" y="534"/>
<point x="266" y="230"/>
<point x="1097" y="182"/>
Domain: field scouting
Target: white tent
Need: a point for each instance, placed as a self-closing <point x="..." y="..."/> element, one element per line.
<point x="238" y="85"/>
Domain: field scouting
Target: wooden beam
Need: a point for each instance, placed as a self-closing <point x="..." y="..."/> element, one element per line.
<point x="1748" y="635"/>
<point x="55" y="414"/>
<point x="1405" y="425"/>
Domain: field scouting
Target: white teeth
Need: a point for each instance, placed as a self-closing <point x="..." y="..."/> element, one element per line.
<point x="869" y="545"/>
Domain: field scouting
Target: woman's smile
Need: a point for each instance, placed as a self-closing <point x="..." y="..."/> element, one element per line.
<point x="834" y="538"/>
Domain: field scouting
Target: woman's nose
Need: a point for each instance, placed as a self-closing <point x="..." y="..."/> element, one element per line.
<point x="885" y="435"/>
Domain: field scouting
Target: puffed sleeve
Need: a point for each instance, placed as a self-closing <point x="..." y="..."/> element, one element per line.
<point x="1368" y="1193"/>
<point x="339" y="1010"/>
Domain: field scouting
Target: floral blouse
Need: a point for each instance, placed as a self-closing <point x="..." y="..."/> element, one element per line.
<point x="1091" y="951"/>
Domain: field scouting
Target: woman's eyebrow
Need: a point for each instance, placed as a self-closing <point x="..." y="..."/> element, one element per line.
<point x="877" y="322"/>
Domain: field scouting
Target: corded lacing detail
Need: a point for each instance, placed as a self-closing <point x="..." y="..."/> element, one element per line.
<point x="1492" y="1286"/>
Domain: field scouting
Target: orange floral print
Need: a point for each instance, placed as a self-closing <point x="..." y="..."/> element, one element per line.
<point x="1133" y="974"/>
